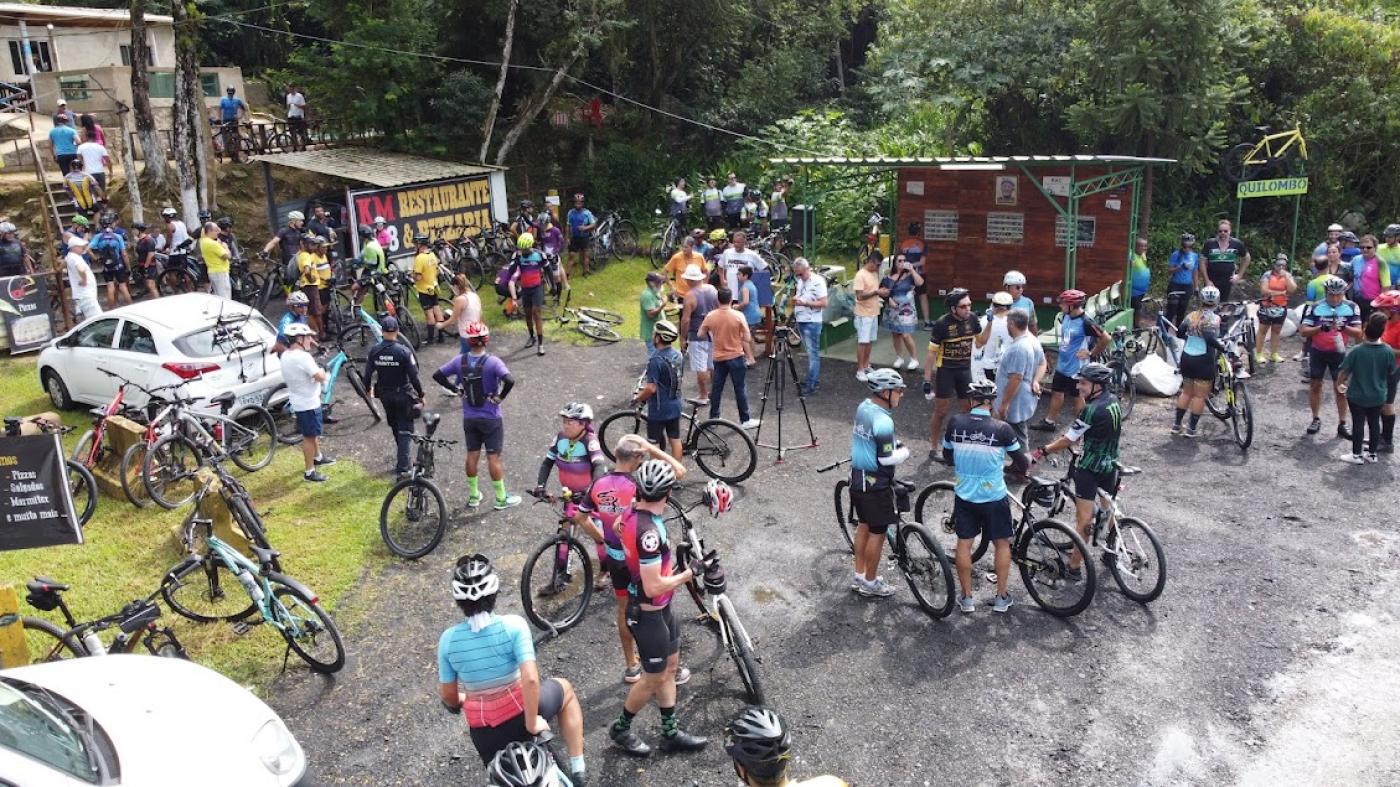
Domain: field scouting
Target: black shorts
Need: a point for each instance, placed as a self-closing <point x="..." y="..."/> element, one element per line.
<point x="1135" y="303"/>
<point x="579" y="242"/>
<point x="532" y="296"/>
<point x="484" y="432"/>
<point x="657" y="635"/>
<point x="1087" y="483"/>
<point x="1220" y="276"/>
<point x="324" y="294"/>
<point x="427" y="300"/>
<point x="490" y="740"/>
<point x="120" y="275"/>
<point x="952" y="382"/>
<point x="1063" y="383"/>
<point x="1320" y="363"/>
<point x="146" y="273"/>
<point x="992" y="520"/>
<point x="617" y="574"/>
<point x="660" y="431"/>
<point x="1198" y="367"/>
<point x="875" y="509"/>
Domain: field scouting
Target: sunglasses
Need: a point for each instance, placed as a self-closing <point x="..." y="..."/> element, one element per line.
<point x="1363" y="248"/>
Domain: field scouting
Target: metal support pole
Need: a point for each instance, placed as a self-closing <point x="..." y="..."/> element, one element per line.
<point x="1127" y="288"/>
<point x="1293" y="247"/>
<point x="1072" y="233"/>
<point x="271" y="198"/>
<point x="28" y="51"/>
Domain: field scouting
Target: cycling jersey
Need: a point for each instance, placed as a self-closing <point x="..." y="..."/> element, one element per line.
<point x="644" y="544"/>
<point x="954" y="341"/>
<point x="872" y="439"/>
<point x="574" y="459"/>
<point x="551" y="241"/>
<point x="664" y="371"/>
<point x="425" y="272"/>
<point x="529" y="266"/>
<point x="1222" y="263"/>
<point x="980" y="445"/>
<point x="485" y="662"/>
<point x="1276" y="282"/>
<point x="228" y="108"/>
<point x="1391" y="255"/>
<point x="1201" y="330"/>
<point x="1026" y="305"/>
<point x="1077" y="332"/>
<point x="711" y="198"/>
<point x="1141" y="274"/>
<point x="1334" y="320"/>
<point x="1183" y="267"/>
<point x="372" y="255"/>
<point x="606" y="500"/>
<point x="578" y="218"/>
<point x="1099" y="425"/>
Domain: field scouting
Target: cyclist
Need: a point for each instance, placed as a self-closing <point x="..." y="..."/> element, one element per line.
<point x="483" y="382"/>
<point x="680" y="201"/>
<point x="1372" y="275"/>
<point x="661" y="389"/>
<point x="1326" y="327"/>
<point x="1275" y="286"/>
<point x="949" y="371"/>
<point x="875" y="453"/>
<point x="287" y="239"/>
<point x="14" y="257"/>
<point x="312" y="265"/>
<point x="551" y="245"/>
<point x="487" y="672"/>
<point x="732" y="195"/>
<point x="577" y="454"/>
<point x="581" y="222"/>
<point x="601" y="508"/>
<point x="719" y="241"/>
<point x="1015" y="284"/>
<point x="391" y="375"/>
<point x="1390" y="252"/>
<point x="714" y="206"/>
<point x="304" y="379"/>
<point x="425" y="283"/>
<point x="232" y="111"/>
<point x="1334" y="236"/>
<point x="144" y="266"/>
<point x="371" y="262"/>
<point x="109" y="246"/>
<point x="1389" y="302"/>
<point x="297" y="304"/>
<point x="1141" y="277"/>
<point x="650" y="616"/>
<point x="1199" y="356"/>
<point x="526" y="765"/>
<point x="527" y="283"/>
<point x="524" y="221"/>
<point x="976" y="446"/>
<point x="1226" y="259"/>
<point x="1080" y="338"/>
<point x="1100" y="427"/>
<point x="383" y="233"/>
<point x="177" y="240"/>
<point x="1181" y="266"/>
<point x="759" y="743"/>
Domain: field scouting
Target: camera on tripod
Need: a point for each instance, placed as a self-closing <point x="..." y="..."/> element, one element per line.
<point x="783" y="333"/>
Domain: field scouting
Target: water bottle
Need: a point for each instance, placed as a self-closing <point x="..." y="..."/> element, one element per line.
<point x="93" y="644"/>
<point x="245" y="579"/>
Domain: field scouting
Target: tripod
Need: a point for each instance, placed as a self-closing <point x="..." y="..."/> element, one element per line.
<point x="776" y="384"/>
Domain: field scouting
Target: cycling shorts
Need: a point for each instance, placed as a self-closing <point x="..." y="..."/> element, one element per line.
<point x="1198" y="367"/>
<point x="579" y="242"/>
<point x="952" y="383"/>
<point x="657" y="635"/>
<point x="1087" y="483"/>
<point x="618" y="574"/>
<point x="532" y="296"/>
<point x="875" y="509"/>
<point x="1064" y="384"/>
<point x="120" y="275"/>
<point x="490" y="740"/>
<point x="427" y="300"/>
<point x="489" y="433"/>
<point x="660" y="431"/>
<point x="1320" y="363"/>
<point x="992" y="520"/>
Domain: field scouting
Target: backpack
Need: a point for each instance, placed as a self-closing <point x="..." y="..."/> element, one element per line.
<point x="106" y="245"/>
<point x="291" y="272"/>
<point x="471" y="379"/>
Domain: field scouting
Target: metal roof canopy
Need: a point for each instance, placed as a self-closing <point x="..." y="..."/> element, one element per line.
<point x="1124" y="172"/>
<point x="375" y="167"/>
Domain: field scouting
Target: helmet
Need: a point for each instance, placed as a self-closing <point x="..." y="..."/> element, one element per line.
<point x="1390" y="299"/>
<point x="954" y="295"/>
<point x="320" y="240"/>
<point x="1334" y="284"/>
<point x="365" y="231"/>
<point x="105" y="220"/>
<point x="1391" y="230"/>
<point x="136" y="225"/>
<point x="225" y="222"/>
<point x="758" y="736"/>
<point x="81" y="220"/>
<point x="478" y="331"/>
<point x="1013" y="279"/>
<point x="885" y="380"/>
<point x="521" y="765"/>
<point x="296" y="215"/>
<point x="526" y="204"/>
<point x="1096" y="373"/>
<point x="422" y="239"/>
<point x="665" y="330"/>
<point x="6" y="226"/>
<point x="718" y="235"/>
<point x="1209" y="295"/>
<point x="655" y="479"/>
<point x="982" y="388"/>
<point x="296" y="329"/>
<point x="525" y="241"/>
<point x="205" y="215"/>
<point x="474" y="578"/>
<point x="719" y="497"/>
<point x="697" y="233"/>
<point x="170" y="213"/>
<point x="1334" y="227"/>
<point x="297" y="298"/>
<point x="1072" y="296"/>
<point x="578" y="411"/>
<point x="1187" y="238"/>
<point x="1348" y="235"/>
<point x="380" y="220"/>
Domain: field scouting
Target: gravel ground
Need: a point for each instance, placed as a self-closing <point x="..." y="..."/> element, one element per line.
<point x="1270" y="659"/>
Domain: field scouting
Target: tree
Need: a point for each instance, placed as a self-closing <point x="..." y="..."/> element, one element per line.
<point x="490" y="123"/>
<point x="152" y="151"/>
<point x="188" y="114"/>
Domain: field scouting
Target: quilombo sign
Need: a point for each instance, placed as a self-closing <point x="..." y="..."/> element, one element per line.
<point x="426" y="208"/>
<point x="1277" y="187"/>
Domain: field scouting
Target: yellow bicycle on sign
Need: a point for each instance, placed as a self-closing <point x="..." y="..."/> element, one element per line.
<point x="1274" y="155"/>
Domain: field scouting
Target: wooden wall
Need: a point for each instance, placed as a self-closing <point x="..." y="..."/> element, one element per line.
<point x="977" y="262"/>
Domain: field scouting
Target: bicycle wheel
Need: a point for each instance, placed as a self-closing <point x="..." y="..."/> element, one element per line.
<point x="845" y="513"/>
<point x="83" y="450"/>
<point x="207" y="592"/>
<point x="557" y="584"/>
<point x="600" y="333"/>
<point x="168" y="471"/>
<point x="253" y="447"/>
<point x="309" y="631"/>
<point x="674" y="519"/>
<point x="1044" y="566"/>
<point x="625" y="240"/>
<point x="1242" y="416"/>
<point x="927" y="570"/>
<point x="1124" y="388"/>
<point x="130" y="473"/>
<point x="1140" y="565"/>
<point x="618" y="424"/>
<point x="279" y="405"/>
<point x="1215" y="400"/>
<point x="340" y="312"/>
<point x="175" y="281"/>
<point x="1232" y="162"/>
<point x="46" y="642"/>
<point x="724" y="451"/>
<point x="358" y="385"/>
<point x="84" y="489"/>
<point x="740" y="649"/>
<point x="601" y="315"/>
<point x="657" y="252"/>
<point x="356" y="340"/>
<point x="409" y="327"/>
<point x="413" y="518"/>
<point x="933" y="509"/>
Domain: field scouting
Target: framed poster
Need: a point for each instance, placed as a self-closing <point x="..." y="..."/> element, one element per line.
<point x="1006" y="189"/>
<point x="940" y="225"/>
<point x="1008" y="228"/>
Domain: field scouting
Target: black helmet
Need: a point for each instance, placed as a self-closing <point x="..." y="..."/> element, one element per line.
<point x="365" y="231"/>
<point x="521" y="765"/>
<point x="225" y="222"/>
<point x="758" y="739"/>
<point x="1187" y="237"/>
<point x="205" y="215"/>
<point x="105" y="220"/>
<point x="1096" y="373"/>
<point x="138" y="225"/>
<point x="421" y="239"/>
<point x="954" y="295"/>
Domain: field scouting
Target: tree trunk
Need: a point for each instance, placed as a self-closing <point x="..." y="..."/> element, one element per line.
<point x="1145" y="212"/>
<point x="536" y="104"/>
<point x="185" y="115"/>
<point x="489" y="124"/>
<point x="152" y="150"/>
<point x="133" y="183"/>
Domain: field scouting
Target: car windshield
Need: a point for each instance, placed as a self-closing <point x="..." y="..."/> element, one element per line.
<point x="212" y="340"/>
<point x="34" y="723"/>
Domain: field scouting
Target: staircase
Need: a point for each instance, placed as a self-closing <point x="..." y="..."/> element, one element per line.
<point x="15" y="101"/>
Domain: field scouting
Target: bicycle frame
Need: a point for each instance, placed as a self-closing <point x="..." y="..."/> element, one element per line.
<point x="224" y="427"/>
<point x="1277" y="145"/>
<point x="267" y="603"/>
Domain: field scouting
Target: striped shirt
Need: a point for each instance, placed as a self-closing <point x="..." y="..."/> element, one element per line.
<point x="486" y="664"/>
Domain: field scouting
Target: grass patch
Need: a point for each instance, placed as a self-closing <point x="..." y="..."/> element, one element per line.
<point x="618" y="288"/>
<point x="327" y="533"/>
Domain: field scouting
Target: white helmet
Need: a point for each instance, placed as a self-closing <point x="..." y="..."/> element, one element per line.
<point x="474" y="578"/>
<point x="380" y="220"/>
<point x="297" y="298"/>
<point x="885" y="380"/>
<point x="6" y="226"/>
<point x="296" y="215"/>
<point x="297" y="329"/>
<point x="654" y="479"/>
<point x="1210" y="296"/>
<point x="1013" y="279"/>
<point x="577" y="411"/>
<point x="169" y="212"/>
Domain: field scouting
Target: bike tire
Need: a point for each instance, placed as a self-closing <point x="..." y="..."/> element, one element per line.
<point x="409" y="327"/>
<point x="1232" y="166"/>
<point x="1215" y="402"/>
<point x="1242" y="416"/>
<point x="358" y="385"/>
<point x="674" y="519"/>
<point x="46" y="642"/>
<point x="302" y="621"/>
<point x="277" y="403"/>
<point x="130" y="472"/>
<point x="618" y="424"/>
<point x="563" y="610"/>
<point x="1132" y="532"/>
<point x="741" y="651"/>
<point x="927" y="570"/>
<point x="625" y="240"/>
<point x="356" y="340"/>
<point x="600" y="333"/>
<point x="933" y="509"/>
<point x="83" y="488"/>
<point x="207" y="592"/>
<point x="845" y="513"/>
<point x="657" y="253"/>
<point x="176" y="281"/>
<point x="414" y="525"/>
<point x="1124" y="387"/>
<point x="246" y="452"/>
<point x="1044" y="565"/>
<point x="250" y="524"/>
<point x="168" y="471"/>
<point x="724" y="451"/>
<point x="601" y="315"/>
<point x="83" y="450"/>
<point x="340" y="312"/>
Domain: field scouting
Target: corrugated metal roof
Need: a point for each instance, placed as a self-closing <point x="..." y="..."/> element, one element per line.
<point x="71" y="15"/>
<point x="938" y="161"/>
<point x="375" y="167"/>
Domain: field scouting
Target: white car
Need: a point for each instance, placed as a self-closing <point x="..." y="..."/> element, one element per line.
<point x="214" y="344"/>
<point x="139" y="720"/>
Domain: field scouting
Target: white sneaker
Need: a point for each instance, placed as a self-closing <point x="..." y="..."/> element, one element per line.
<point x="913" y="364"/>
<point x="877" y="589"/>
<point x="898" y="363"/>
<point x="1371" y="458"/>
<point x="861" y="374"/>
<point x="752" y="423"/>
<point x="1352" y="459"/>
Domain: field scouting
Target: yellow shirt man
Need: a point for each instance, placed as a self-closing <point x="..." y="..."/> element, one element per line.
<point x="215" y="255"/>
<point x="425" y="272"/>
<point x="315" y="270"/>
<point x="675" y="269"/>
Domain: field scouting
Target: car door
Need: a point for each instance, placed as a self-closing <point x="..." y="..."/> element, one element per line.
<point x="135" y="358"/>
<point x="91" y="349"/>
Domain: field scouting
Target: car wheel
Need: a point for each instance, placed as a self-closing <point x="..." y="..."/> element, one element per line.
<point x="57" y="391"/>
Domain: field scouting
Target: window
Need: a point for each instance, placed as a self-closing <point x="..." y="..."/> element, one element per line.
<point x="36" y="726"/>
<point x="1006" y="228"/>
<point x="209" y="83"/>
<point x="163" y="84"/>
<point x="1087" y="229"/>
<point x="74" y="89"/>
<point x="17" y="59"/>
<point x="98" y="335"/>
<point x="126" y="55"/>
<point x="40" y="59"/>
<point x="136" y="338"/>
<point x="940" y="225"/>
<point x="207" y="343"/>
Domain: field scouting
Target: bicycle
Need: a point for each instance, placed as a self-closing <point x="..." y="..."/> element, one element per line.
<point x="196" y="439"/>
<point x="157" y="425"/>
<point x="415" y="526"/>
<point x="1272" y="155"/>
<point x="553" y="601"/>
<point x="614" y="236"/>
<point x="596" y="324"/>
<point x="721" y="448"/>
<point x="181" y="277"/>
<point x="81" y="485"/>
<point x="917" y="553"/>
<point x="1040" y="548"/>
<point x="1240" y="321"/>
<point x="665" y="242"/>
<point x="1161" y="337"/>
<point x="280" y="601"/>
<point x="93" y="446"/>
<point x="1229" y="395"/>
<point x="136" y="620"/>
<point x="1122" y="347"/>
<point x="279" y="404"/>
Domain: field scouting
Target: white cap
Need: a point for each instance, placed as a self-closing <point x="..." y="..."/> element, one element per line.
<point x="1334" y="228"/>
<point x="1002" y="299"/>
<point x="63" y="102"/>
<point x="77" y="243"/>
<point x="693" y="273"/>
<point x="379" y="220"/>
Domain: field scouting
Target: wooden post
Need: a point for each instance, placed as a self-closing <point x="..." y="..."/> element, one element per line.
<point x="14" y="650"/>
<point x="56" y="265"/>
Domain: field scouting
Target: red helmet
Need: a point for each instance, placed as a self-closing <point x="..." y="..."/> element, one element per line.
<point x="1389" y="300"/>
<point x="1072" y="296"/>
<point x="719" y="497"/>
<point x="478" y="332"/>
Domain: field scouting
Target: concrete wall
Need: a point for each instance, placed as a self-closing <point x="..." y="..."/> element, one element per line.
<point x="82" y="48"/>
<point x="117" y="81"/>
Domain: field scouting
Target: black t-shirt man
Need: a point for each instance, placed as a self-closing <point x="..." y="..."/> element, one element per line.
<point x="1224" y="259"/>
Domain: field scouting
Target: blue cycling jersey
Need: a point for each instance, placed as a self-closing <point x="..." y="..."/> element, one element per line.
<point x="979" y="444"/>
<point x="872" y="438"/>
<point x="1183" y="266"/>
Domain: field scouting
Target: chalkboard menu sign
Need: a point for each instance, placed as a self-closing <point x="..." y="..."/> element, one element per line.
<point x="24" y="300"/>
<point x="36" y="505"/>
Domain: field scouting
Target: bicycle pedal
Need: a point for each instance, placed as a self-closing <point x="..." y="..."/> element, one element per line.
<point x="240" y="628"/>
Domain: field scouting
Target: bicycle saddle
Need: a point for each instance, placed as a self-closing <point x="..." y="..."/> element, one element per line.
<point x="224" y="400"/>
<point x="1127" y="469"/>
<point x="694" y="401"/>
<point x="44" y="585"/>
<point x="1041" y="481"/>
<point x="1263" y="129"/>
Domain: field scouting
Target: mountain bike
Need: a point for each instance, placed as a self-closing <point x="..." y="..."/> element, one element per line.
<point x="136" y="621"/>
<point x="1229" y="394"/>
<point x="93" y="446"/>
<point x="913" y="548"/>
<point x="556" y="596"/>
<point x="721" y="448"/>
<point x="198" y="438"/>
<point x="413" y="518"/>
<point x="1160" y="338"/>
<point x="158" y="423"/>
<point x="1040" y="548"/>
<point x="665" y="242"/>
<point x="179" y="277"/>
<point x="614" y="236"/>
<point x="1240" y="328"/>
<point x="596" y="324"/>
<point x="1118" y="358"/>
<point x="81" y="485"/>
<point x="1273" y="155"/>
<point x="280" y="601"/>
<point x="279" y="404"/>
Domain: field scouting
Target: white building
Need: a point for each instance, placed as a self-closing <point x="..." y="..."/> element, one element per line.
<point x="58" y="38"/>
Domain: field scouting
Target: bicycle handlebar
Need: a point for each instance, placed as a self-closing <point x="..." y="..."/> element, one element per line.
<point x="833" y="465"/>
